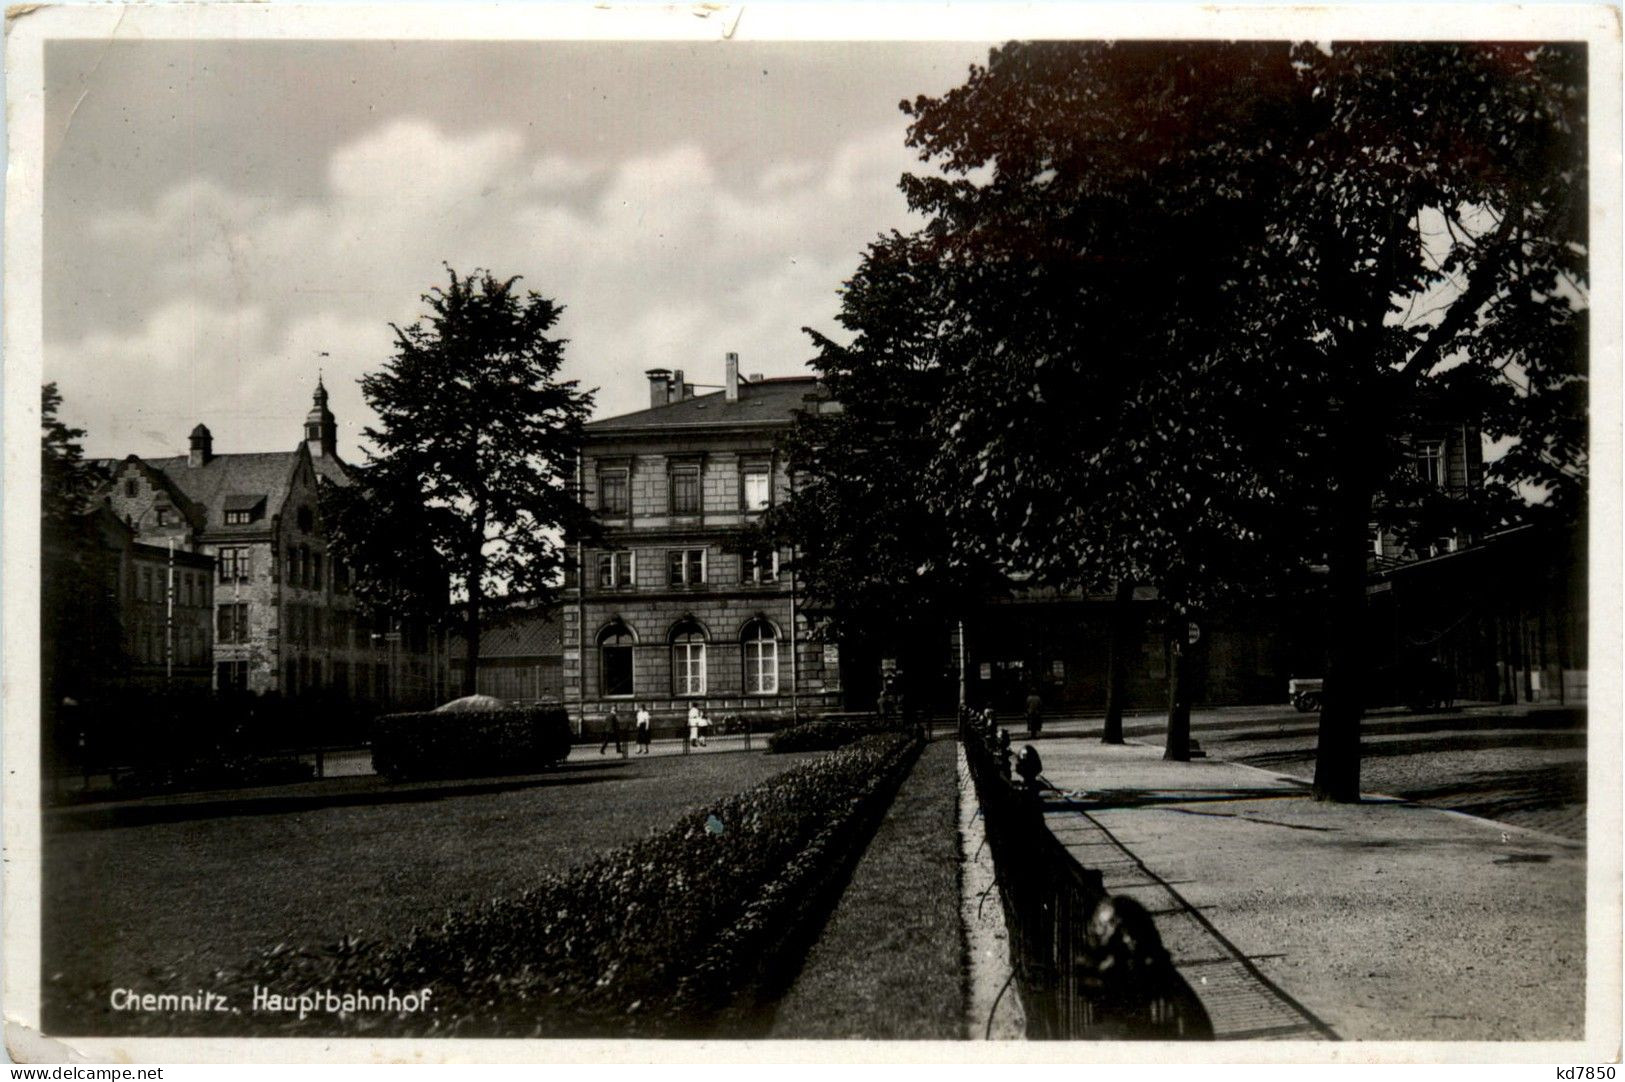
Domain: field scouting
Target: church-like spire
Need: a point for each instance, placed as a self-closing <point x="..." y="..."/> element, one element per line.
<point x="321" y="431"/>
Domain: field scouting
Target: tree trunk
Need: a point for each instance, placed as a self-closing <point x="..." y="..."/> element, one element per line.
<point x="471" y="637"/>
<point x="1337" y="758"/>
<point x="1178" y="744"/>
<point x="1124" y="638"/>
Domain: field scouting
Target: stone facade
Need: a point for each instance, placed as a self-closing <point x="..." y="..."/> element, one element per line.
<point x="285" y="616"/>
<point x="667" y="610"/>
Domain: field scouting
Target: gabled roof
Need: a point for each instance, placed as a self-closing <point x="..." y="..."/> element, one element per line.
<point x="765" y="402"/>
<point x="522" y="633"/>
<point x="194" y="511"/>
<point x="228" y="482"/>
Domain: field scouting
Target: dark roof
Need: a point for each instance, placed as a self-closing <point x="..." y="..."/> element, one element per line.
<point x="163" y="552"/>
<point x="527" y="633"/>
<point x="768" y="401"/>
<point x="225" y="481"/>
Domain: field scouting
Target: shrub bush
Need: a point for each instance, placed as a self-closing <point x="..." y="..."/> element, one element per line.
<point x="654" y="939"/>
<point x="469" y="743"/>
<point x="826" y="734"/>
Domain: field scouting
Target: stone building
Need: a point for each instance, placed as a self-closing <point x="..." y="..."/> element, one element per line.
<point x="668" y="610"/>
<point x="285" y="614"/>
<point x="166" y="601"/>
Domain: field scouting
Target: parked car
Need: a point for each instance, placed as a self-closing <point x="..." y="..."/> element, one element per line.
<point x="1305" y="694"/>
<point x="1416" y="684"/>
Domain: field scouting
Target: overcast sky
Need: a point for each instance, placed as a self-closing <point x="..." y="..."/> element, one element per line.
<point x="219" y="214"/>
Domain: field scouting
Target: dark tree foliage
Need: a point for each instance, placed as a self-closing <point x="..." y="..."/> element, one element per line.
<point x="470" y="479"/>
<point x="871" y="552"/>
<point x="1188" y="304"/>
<point x="81" y="639"/>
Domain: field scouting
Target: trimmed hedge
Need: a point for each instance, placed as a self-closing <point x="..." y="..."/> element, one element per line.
<point x="664" y="937"/>
<point x="470" y="743"/>
<point x="829" y="733"/>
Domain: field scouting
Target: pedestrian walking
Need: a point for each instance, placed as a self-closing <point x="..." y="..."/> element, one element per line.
<point x="693" y="725"/>
<point x="612" y="732"/>
<point x="705" y="727"/>
<point x="1035" y="714"/>
<point x="644" y="731"/>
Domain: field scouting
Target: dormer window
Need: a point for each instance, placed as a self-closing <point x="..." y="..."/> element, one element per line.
<point x="241" y="510"/>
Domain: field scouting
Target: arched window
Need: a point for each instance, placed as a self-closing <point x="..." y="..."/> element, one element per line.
<point x="688" y="658"/>
<point x="760" y="645"/>
<point x="615" y="659"/>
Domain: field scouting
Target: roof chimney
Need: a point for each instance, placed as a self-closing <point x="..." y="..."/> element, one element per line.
<point x="659" y="386"/>
<point x="679" y="389"/>
<point x="202" y="447"/>
<point x="731" y="377"/>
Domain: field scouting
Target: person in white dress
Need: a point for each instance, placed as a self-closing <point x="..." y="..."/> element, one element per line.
<point x="644" y="733"/>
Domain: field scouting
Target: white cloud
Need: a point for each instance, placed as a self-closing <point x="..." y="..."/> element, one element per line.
<point x="663" y="259"/>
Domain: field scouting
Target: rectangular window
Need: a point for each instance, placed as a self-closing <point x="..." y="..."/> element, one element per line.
<point x="759" y="567"/>
<point x="761" y="665"/>
<point x="615" y="570"/>
<point x="686" y="567"/>
<point x="233" y="563"/>
<point x="293" y="566"/>
<point x="757" y="488"/>
<point x="166" y="516"/>
<point x="316" y="621"/>
<point x="1430" y="462"/>
<point x="316" y="570"/>
<point x="238" y="518"/>
<point x="685" y="490"/>
<point x="612" y="492"/>
<point x="231" y="675"/>
<point x="232" y="623"/>
<point x="688" y="667"/>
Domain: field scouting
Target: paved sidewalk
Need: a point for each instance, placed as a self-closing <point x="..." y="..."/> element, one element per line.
<point x="1299" y="920"/>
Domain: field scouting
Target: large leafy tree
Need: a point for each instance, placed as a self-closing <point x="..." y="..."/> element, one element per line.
<point x="871" y="552"/>
<point x="1203" y="295"/>
<point x="468" y="485"/>
<point x="81" y="651"/>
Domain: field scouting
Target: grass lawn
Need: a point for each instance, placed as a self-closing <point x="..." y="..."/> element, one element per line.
<point x="161" y="906"/>
<point x="890" y="964"/>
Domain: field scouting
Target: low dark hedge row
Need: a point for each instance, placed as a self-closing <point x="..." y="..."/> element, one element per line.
<point x="230" y="772"/>
<point x="470" y="743"/>
<point x="826" y="734"/>
<point x="660" y="938"/>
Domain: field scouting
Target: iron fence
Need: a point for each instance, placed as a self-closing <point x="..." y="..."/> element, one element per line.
<point x="1088" y="966"/>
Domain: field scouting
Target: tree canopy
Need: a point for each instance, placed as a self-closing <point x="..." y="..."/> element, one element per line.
<point x="81" y="647"/>
<point x="468" y="484"/>
<point x="1187" y="304"/>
